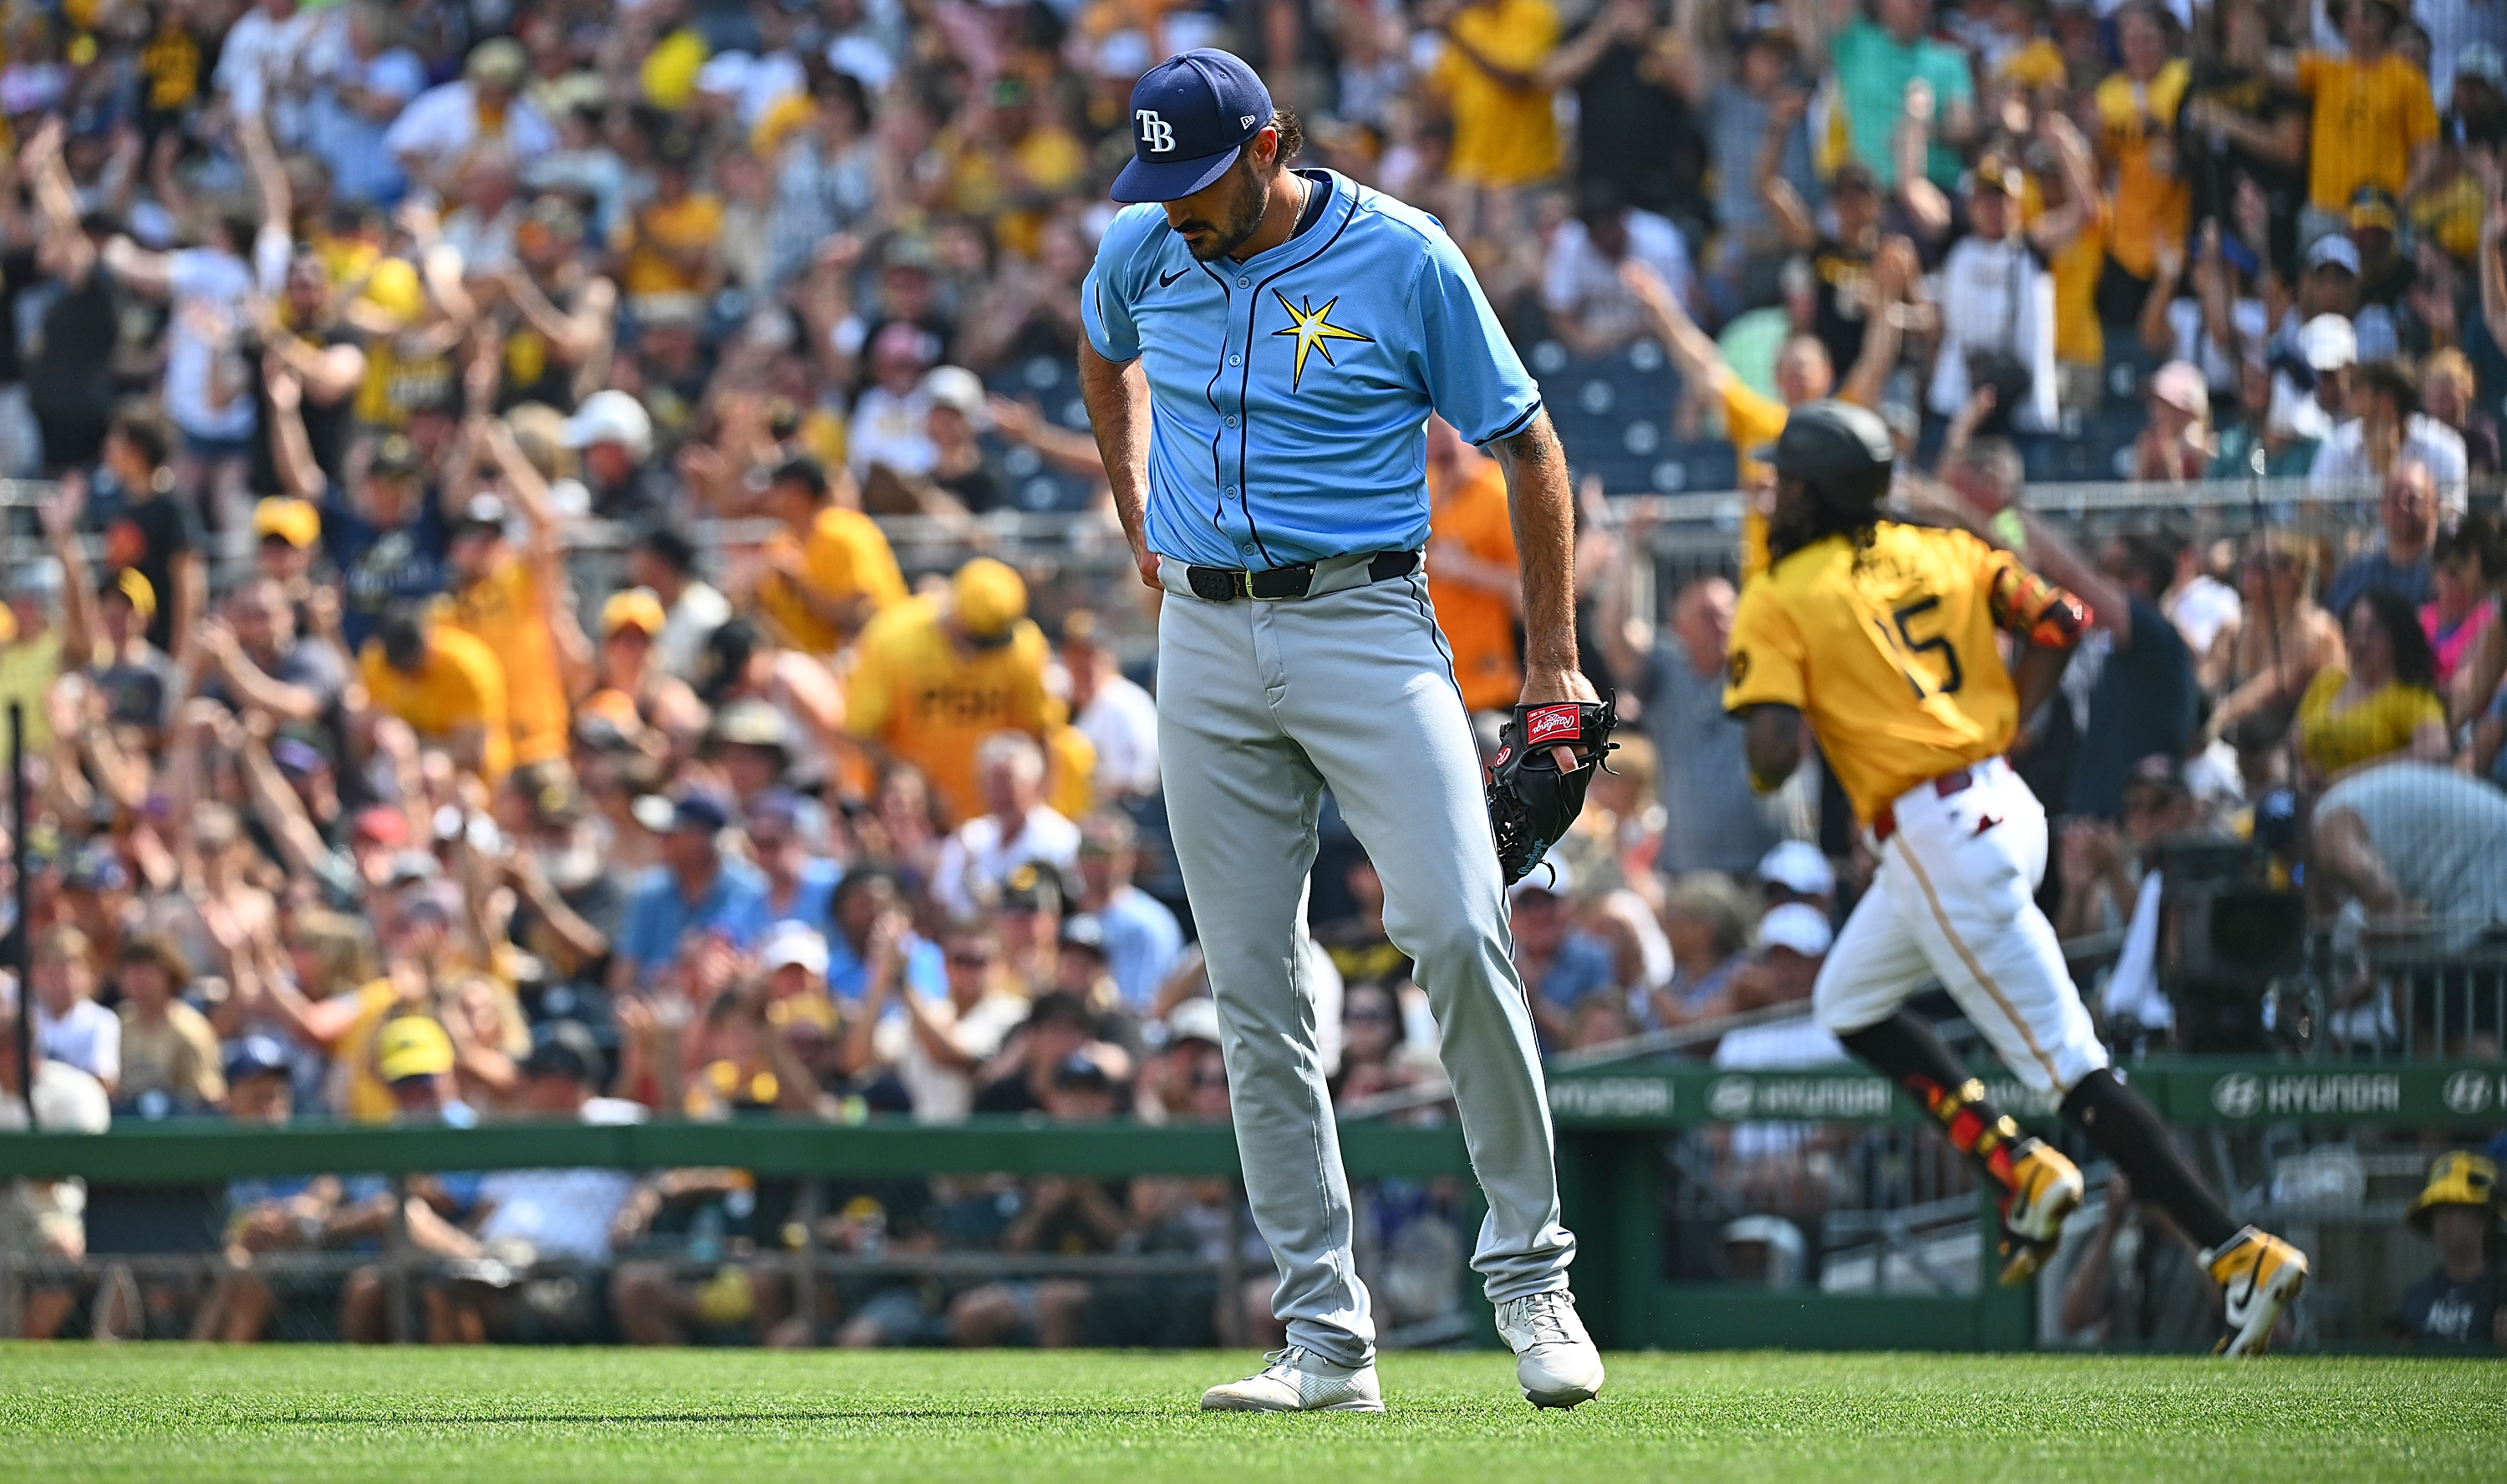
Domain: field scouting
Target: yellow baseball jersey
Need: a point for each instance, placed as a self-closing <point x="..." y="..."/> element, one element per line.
<point x="1891" y="652"/>
<point x="846" y="553"/>
<point x="2369" y="118"/>
<point x="1502" y="136"/>
<point x="2147" y="199"/>
<point x="504" y="612"/>
<point x="932" y="703"/>
<point x="460" y="685"/>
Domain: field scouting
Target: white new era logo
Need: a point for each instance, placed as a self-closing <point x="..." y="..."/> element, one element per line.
<point x="1155" y="133"/>
<point x="1245" y="121"/>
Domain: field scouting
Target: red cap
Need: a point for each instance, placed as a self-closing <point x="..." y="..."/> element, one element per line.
<point x="383" y="824"/>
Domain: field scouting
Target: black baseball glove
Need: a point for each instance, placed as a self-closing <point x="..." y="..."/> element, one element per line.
<point x="1530" y="802"/>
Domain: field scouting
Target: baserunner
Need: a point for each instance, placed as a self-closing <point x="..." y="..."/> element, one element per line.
<point x="1884" y="638"/>
<point x="1265" y="345"/>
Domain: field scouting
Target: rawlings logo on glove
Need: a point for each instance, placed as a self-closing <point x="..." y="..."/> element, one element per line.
<point x="1530" y="803"/>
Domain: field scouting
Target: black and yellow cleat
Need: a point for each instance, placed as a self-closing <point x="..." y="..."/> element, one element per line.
<point x="2259" y="1275"/>
<point x="2045" y="1188"/>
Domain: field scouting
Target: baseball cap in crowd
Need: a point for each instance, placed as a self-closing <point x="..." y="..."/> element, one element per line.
<point x="1797" y="925"/>
<point x="2335" y="251"/>
<point x="1080" y="1070"/>
<point x="989" y="598"/>
<point x="2327" y="341"/>
<point x="499" y="63"/>
<point x="382" y="825"/>
<point x="94" y="868"/>
<point x="481" y="513"/>
<point x="564" y="1049"/>
<point x="292" y="521"/>
<point x="412" y="1046"/>
<point x="1764" y="26"/>
<point x="752" y="723"/>
<point x="1033" y="886"/>
<point x="790" y="944"/>
<point x="2457" y="1179"/>
<point x="634" y="609"/>
<point x="1797" y="866"/>
<point x="1997" y="173"/>
<point x="2481" y="60"/>
<point x="395" y="458"/>
<point x="2372" y="207"/>
<point x="956" y="388"/>
<point x="776" y="806"/>
<point x="1191" y="116"/>
<point x="134" y="589"/>
<point x="699" y="811"/>
<point x="257" y="1056"/>
<point x="612" y="417"/>
<point x="2181" y="385"/>
<point x="1193" y="1020"/>
<point x="1082" y="930"/>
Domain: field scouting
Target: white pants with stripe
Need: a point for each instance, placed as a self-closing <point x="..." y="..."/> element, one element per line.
<point x="1956" y="899"/>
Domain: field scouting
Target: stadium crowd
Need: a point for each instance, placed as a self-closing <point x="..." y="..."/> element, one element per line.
<point x="338" y="326"/>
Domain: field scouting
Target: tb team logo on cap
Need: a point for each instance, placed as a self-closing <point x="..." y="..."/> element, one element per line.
<point x="1192" y="116"/>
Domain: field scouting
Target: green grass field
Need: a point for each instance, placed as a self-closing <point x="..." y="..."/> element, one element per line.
<point x="169" y="1412"/>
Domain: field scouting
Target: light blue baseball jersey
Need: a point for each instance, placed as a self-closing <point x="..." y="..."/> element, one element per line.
<point x="1290" y="395"/>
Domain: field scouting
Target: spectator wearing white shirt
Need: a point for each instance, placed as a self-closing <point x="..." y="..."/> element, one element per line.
<point x="1997" y="303"/>
<point x="1119" y="718"/>
<point x="1590" y="309"/>
<point x="2330" y="348"/>
<point x="1016" y="828"/>
<point x="440" y="125"/>
<point x="259" y="61"/>
<point x="2387" y="428"/>
<point x="891" y="421"/>
<point x="208" y="386"/>
<point x="70" y="1027"/>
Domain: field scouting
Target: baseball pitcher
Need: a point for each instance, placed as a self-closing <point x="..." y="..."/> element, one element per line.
<point x="1265" y="345"/>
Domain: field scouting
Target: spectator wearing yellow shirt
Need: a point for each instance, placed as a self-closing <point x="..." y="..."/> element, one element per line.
<point x="1473" y="574"/>
<point x="2136" y="112"/>
<point x="515" y="603"/>
<point x="668" y="244"/>
<point x="447" y="685"/>
<point x="30" y="651"/>
<point x="1804" y="373"/>
<point x="2384" y="700"/>
<point x="829" y="570"/>
<point x="1012" y="164"/>
<point x="1491" y="75"/>
<point x="2375" y="124"/>
<point x="935" y="679"/>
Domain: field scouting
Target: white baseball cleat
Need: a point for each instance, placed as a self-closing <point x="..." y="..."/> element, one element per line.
<point x="1298" y="1380"/>
<point x="1554" y="1358"/>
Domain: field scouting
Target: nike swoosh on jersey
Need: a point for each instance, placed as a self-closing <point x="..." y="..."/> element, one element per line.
<point x="1164" y="279"/>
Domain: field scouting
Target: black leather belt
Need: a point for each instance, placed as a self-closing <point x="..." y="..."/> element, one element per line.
<point x="1227" y="584"/>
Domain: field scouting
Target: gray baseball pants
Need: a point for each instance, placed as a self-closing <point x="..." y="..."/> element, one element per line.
<point x="1260" y="704"/>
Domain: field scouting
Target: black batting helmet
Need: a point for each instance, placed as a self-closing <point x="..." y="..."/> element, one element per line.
<point x="1842" y="451"/>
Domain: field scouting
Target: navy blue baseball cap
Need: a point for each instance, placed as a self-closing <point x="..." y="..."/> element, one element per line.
<point x="1191" y="115"/>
